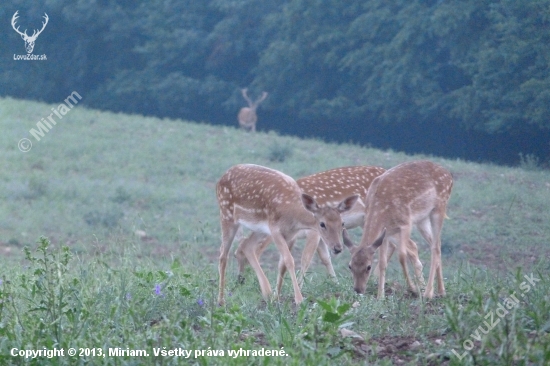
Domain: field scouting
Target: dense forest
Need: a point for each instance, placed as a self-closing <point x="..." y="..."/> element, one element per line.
<point x="466" y="78"/>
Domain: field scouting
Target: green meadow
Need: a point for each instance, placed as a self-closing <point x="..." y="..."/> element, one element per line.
<point x="109" y="242"/>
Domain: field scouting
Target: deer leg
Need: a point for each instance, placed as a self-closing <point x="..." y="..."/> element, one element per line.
<point x="391" y="249"/>
<point x="382" y="264"/>
<point x="241" y="260"/>
<point x="425" y="228"/>
<point x="282" y="267"/>
<point x="282" y="245"/>
<point x="241" y="257"/>
<point x="404" y="236"/>
<point x="249" y="249"/>
<point x="312" y="242"/>
<point x="324" y="255"/>
<point x="229" y="229"/>
<point x="412" y="254"/>
<point x="437" y="224"/>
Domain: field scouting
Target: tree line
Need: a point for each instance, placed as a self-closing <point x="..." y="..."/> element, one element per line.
<point x="467" y="78"/>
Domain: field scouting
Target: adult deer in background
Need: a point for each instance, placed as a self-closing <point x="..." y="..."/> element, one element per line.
<point x="414" y="193"/>
<point x="329" y="188"/>
<point x="270" y="203"/>
<point x="29" y="41"/>
<point x="247" y="115"/>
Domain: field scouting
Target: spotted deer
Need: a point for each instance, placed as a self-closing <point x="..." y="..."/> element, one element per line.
<point x="247" y="115"/>
<point x="410" y="194"/>
<point x="270" y="203"/>
<point x="329" y="188"/>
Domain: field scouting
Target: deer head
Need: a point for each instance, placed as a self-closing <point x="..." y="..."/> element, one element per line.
<point x="362" y="260"/>
<point x="29" y="40"/>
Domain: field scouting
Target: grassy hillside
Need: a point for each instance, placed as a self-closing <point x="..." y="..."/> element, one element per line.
<point x="133" y="199"/>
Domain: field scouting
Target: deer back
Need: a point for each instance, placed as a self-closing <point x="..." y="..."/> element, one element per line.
<point x="264" y="199"/>
<point x="330" y="187"/>
<point x="259" y="194"/>
<point x="404" y="195"/>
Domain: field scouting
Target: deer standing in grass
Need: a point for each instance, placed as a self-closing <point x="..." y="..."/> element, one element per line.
<point x="329" y="188"/>
<point x="247" y="115"/>
<point x="270" y="203"/>
<point x="410" y="194"/>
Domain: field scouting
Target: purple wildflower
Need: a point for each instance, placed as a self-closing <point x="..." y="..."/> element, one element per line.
<point x="200" y="302"/>
<point x="157" y="290"/>
<point x="128" y="296"/>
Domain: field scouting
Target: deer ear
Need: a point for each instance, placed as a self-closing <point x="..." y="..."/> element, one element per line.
<point x="309" y="203"/>
<point x="371" y="249"/>
<point x="378" y="242"/>
<point x="348" y="203"/>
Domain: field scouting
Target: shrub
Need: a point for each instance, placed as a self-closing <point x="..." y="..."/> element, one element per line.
<point x="279" y="152"/>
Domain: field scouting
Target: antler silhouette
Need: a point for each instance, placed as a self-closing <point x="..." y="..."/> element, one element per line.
<point x="29" y="40"/>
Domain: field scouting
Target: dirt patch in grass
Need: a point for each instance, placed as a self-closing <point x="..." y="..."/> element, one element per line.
<point x="401" y="349"/>
<point x="5" y="249"/>
<point x="504" y="259"/>
<point x="258" y="337"/>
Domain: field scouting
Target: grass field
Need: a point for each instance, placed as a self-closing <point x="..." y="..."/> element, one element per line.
<point x="127" y="210"/>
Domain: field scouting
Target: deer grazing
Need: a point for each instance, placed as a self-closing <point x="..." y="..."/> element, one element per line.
<point x="329" y="188"/>
<point x="414" y="193"/>
<point x="270" y="203"/>
<point x="29" y="41"/>
<point x="247" y="115"/>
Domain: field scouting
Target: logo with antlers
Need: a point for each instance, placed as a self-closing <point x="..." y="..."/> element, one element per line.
<point x="29" y="40"/>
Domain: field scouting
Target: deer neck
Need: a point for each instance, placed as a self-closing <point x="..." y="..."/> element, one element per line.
<point x="298" y="218"/>
<point x="372" y="230"/>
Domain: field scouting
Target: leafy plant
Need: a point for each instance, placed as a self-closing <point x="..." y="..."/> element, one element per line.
<point x="529" y="162"/>
<point x="36" y="188"/>
<point x="334" y="311"/>
<point x="498" y="324"/>
<point x="278" y="152"/>
<point x="108" y="219"/>
<point x="121" y="195"/>
<point x="53" y="297"/>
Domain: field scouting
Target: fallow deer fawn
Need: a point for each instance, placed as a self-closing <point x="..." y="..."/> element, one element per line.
<point x="270" y="203"/>
<point x="414" y="193"/>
